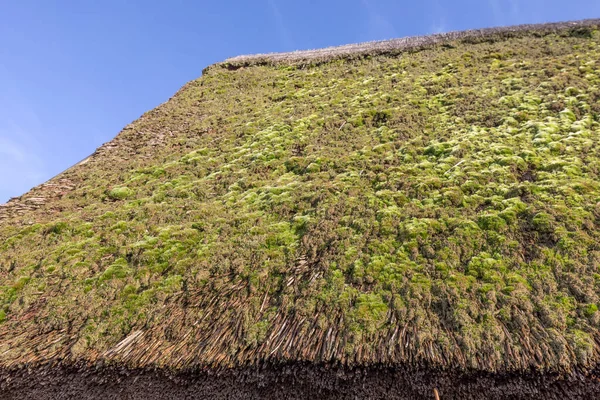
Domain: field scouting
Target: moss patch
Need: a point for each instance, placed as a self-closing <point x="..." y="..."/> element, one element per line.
<point x="440" y="206"/>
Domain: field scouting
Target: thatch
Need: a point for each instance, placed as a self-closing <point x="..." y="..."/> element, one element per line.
<point x="363" y="207"/>
<point x="411" y="43"/>
<point x="295" y="381"/>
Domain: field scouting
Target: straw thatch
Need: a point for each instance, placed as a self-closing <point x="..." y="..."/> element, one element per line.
<point x="412" y="43"/>
<point x="420" y="211"/>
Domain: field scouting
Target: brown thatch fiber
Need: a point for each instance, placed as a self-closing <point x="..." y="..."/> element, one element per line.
<point x="289" y="381"/>
<point x="394" y="46"/>
<point x="397" y="219"/>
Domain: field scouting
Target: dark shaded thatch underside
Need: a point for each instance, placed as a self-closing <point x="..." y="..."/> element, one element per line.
<point x="289" y="381"/>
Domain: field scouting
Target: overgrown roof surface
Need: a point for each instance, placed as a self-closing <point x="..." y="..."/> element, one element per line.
<point x="428" y="206"/>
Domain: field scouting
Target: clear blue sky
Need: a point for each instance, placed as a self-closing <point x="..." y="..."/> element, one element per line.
<point x="73" y="73"/>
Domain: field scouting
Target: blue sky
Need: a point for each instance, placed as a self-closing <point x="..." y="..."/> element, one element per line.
<point x="73" y="73"/>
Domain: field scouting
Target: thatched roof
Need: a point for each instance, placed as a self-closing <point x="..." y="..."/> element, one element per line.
<point x="411" y="43"/>
<point x="426" y="204"/>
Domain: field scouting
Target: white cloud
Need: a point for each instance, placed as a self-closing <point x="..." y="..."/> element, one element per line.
<point x="438" y="17"/>
<point x="438" y="27"/>
<point x="282" y="30"/>
<point x="10" y="150"/>
<point x="510" y="12"/>
<point x="497" y="13"/>
<point x="378" y="26"/>
<point x="515" y="9"/>
<point x="20" y="166"/>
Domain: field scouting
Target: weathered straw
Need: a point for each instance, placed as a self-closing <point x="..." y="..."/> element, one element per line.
<point x="406" y="43"/>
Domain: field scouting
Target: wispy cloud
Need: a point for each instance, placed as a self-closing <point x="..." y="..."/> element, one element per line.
<point x="378" y="26"/>
<point x="21" y="166"/>
<point x="283" y="32"/>
<point x="515" y="8"/>
<point x="509" y="12"/>
<point x="438" y="27"/>
<point x="438" y="18"/>
<point x="496" y="10"/>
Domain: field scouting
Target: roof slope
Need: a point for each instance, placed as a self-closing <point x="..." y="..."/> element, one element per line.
<point x="438" y="206"/>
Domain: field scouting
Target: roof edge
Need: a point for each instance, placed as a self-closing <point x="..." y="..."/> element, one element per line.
<point x="404" y="44"/>
<point x="291" y="381"/>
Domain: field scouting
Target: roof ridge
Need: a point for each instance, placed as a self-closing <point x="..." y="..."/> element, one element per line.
<point x="403" y="44"/>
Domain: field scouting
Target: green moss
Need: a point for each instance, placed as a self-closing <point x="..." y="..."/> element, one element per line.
<point x="120" y="193"/>
<point x="543" y="222"/>
<point x="56" y="228"/>
<point x="378" y="204"/>
<point x="21" y="282"/>
<point x="590" y="310"/>
<point x="117" y="270"/>
<point x="370" y="311"/>
<point x="492" y="222"/>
